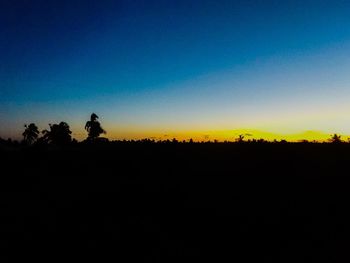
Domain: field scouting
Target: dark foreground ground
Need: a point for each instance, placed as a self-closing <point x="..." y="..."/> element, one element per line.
<point x="176" y="202"/>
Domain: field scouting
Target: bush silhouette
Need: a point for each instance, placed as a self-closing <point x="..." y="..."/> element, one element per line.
<point x="93" y="127"/>
<point x="59" y="134"/>
<point x="30" y="134"/>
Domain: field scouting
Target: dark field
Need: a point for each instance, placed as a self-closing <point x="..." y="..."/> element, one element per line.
<point x="176" y="202"/>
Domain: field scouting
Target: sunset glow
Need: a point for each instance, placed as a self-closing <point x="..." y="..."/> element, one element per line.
<point x="184" y="70"/>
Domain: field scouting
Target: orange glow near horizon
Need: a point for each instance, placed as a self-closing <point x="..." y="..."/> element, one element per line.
<point x="223" y="135"/>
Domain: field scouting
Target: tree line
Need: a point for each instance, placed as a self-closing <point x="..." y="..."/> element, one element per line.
<point x="60" y="134"/>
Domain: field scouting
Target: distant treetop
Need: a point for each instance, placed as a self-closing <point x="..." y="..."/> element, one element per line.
<point x="93" y="127"/>
<point x="30" y="134"/>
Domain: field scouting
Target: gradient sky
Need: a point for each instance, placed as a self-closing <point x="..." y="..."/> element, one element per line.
<point x="203" y="69"/>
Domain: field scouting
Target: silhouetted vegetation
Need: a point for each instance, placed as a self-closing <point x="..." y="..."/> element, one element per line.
<point x="201" y="200"/>
<point x="336" y="138"/>
<point x="31" y="133"/>
<point x="93" y="127"/>
<point x="240" y="138"/>
<point x="170" y="199"/>
<point x="59" y="134"/>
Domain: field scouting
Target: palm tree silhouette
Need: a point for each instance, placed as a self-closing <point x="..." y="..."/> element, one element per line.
<point x="30" y="133"/>
<point x="58" y="134"/>
<point x="240" y="138"/>
<point x="335" y="138"/>
<point x="93" y="127"/>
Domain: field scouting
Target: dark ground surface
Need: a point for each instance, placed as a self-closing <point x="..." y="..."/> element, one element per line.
<point x="176" y="202"/>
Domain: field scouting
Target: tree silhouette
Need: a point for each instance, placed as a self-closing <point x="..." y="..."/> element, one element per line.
<point x="335" y="138"/>
<point x="30" y="133"/>
<point x="240" y="138"/>
<point x="93" y="127"/>
<point x="58" y="134"/>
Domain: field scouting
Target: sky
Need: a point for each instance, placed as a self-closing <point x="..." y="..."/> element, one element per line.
<point x="161" y="69"/>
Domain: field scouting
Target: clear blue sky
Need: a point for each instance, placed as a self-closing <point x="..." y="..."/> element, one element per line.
<point x="166" y="66"/>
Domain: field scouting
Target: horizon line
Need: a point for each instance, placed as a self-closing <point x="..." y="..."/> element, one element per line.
<point x="229" y="135"/>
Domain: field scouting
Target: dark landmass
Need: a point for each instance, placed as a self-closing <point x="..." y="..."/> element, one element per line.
<point x="174" y="202"/>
